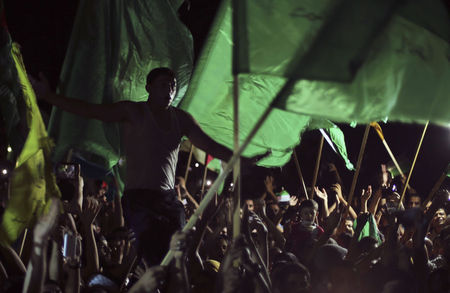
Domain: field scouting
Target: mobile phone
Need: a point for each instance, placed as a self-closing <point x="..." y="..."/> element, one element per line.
<point x="71" y="248"/>
<point x="67" y="170"/>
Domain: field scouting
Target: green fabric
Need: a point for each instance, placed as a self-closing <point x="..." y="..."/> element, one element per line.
<point x="210" y="100"/>
<point x="307" y="39"/>
<point x="337" y="136"/>
<point x="33" y="183"/>
<point x="370" y="229"/>
<point x="113" y="46"/>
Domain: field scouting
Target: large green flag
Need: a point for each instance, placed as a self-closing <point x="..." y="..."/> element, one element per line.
<point x="113" y="46"/>
<point x="359" y="60"/>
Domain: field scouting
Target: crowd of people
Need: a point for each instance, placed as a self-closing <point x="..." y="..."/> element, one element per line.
<point x="319" y="240"/>
<point x="302" y="243"/>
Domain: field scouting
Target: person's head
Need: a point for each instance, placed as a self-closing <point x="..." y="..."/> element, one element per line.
<point x="308" y="210"/>
<point x="117" y="244"/>
<point x="161" y="86"/>
<point x="413" y="201"/>
<point x="217" y="248"/>
<point x="348" y="226"/>
<point x="250" y="205"/>
<point x="290" y="277"/>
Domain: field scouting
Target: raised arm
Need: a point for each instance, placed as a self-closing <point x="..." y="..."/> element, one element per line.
<point x="114" y="112"/>
<point x="200" y="139"/>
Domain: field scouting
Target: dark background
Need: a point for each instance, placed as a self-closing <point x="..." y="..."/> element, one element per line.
<point x="43" y="30"/>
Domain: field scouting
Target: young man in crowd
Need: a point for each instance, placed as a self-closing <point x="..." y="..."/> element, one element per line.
<point x="152" y="132"/>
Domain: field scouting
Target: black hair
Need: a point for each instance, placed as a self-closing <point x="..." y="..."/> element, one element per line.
<point x="308" y="203"/>
<point x="154" y="73"/>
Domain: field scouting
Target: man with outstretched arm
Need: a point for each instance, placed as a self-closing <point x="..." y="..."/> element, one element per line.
<point x="152" y="136"/>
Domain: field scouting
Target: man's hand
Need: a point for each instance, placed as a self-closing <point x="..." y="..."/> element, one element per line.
<point x="322" y="194"/>
<point x="293" y="201"/>
<point x="153" y="279"/>
<point x="338" y="189"/>
<point x="41" y="86"/>
<point x="366" y="194"/>
<point x="91" y="208"/>
<point x="269" y="183"/>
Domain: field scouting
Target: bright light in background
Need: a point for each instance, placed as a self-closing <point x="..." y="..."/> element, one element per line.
<point x="9" y="149"/>
<point x="208" y="182"/>
<point x="4" y="171"/>
<point x="197" y="164"/>
<point x="231" y="184"/>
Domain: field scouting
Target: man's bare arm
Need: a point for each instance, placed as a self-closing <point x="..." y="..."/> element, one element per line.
<point x="114" y="112"/>
<point x="200" y="139"/>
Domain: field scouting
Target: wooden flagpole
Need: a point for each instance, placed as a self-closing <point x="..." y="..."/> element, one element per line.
<point x="358" y="165"/>
<point x="316" y="168"/>
<point x="186" y="173"/>
<point x="300" y="175"/>
<point x="413" y="164"/>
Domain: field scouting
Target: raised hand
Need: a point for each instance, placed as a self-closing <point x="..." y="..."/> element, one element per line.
<point x="338" y="189"/>
<point x="269" y="183"/>
<point x="366" y="194"/>
<point x="322" y="194"/>
<point x="152" y="280"/>
<point x="91" y="208"/>
<point x="293" y="201"/>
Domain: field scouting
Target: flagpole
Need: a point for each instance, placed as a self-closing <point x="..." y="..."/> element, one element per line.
<point x="285" y="91"/>
<point x="300" y="175"/>
<point x="435" y="188"/>
<point x="393" y="158"/>
<point x="22" y="244"/>
<point x="413" y="164"/>
<point x="205" y="171"/>
<point x="316" y="168"/>
<point x="237" y="167"/>
<point x="358" y="165"/>
<point x="388" y="149"/>
<point x="186" y="173"/>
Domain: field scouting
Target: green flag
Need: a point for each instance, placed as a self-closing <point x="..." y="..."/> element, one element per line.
<point x="113" y="46"/>
<point x="370" y="229"/>
<point x="335" y="139"/>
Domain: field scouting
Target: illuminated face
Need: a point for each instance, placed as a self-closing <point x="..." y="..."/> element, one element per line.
<point x="413" y="202"/>
<point x="162" y="90"/>
<point x="439" y="217"/>
<point x="308" y="214"/>
<point x="349" y="226"/>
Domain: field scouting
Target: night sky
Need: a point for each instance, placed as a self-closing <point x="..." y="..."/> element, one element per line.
<point x="44" y="32"/>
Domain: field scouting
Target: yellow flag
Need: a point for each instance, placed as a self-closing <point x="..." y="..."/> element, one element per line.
<point x="33" y="182"/>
